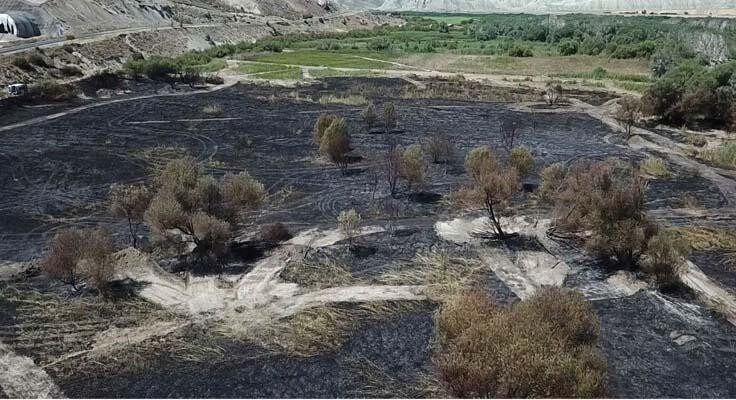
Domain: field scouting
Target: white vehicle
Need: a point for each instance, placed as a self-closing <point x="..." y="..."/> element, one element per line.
<point x="17" y="89"/>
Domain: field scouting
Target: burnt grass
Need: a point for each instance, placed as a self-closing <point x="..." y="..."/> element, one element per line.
<point x="58" y="173"/>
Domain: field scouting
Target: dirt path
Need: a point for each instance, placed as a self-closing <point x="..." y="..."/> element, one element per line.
<point x="85" y="107"/>
<point x="20" y="377"/>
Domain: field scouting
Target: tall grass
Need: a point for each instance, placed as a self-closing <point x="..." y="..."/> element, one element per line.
<point x="723" y="156"/>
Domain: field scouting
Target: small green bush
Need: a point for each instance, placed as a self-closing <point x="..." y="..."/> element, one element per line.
<point x="518" y="50"/>
<point x="521" y="159"/>
<point x="569" y="47"/>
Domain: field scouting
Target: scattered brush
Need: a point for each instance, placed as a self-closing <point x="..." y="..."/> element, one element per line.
<point x="435" y="269"/>
<point x="318" y="272"/>
<point x="653" y="167"/>
<point x="378" y="382"/>
<point x="350" y="100"/>
<point x="723" y="156"/>
<point x="212" y="109"/>
<point x="310" y="332"/>
<point x="700" y="238"/>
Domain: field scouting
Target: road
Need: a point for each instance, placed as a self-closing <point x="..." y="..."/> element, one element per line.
<point x="94" y="36"/>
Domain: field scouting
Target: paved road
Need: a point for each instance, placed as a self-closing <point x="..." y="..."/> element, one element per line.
<point x="97" y="35"/>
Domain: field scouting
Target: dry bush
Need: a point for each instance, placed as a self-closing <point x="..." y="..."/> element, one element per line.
<point x="96" y="263"/>
<point x="76" y="254"/>
<point x="369" y="116"/>
<point x="348" y="221"/>
<point x="241" y="192"/>
<point x="413" y="166"/>
<point x="629" y="113"/>
<point x="130" y="202"/>
<point x="440" y="148"/>
<point x="552" y="93"/>
<point x="492" y="186"/>
<point x="275" y="232"/>
<point x="390" y="117"/>
<point x="165" y="213"/>
<point x="521" y="159"/>
<point x="666" y="259"/>
<point x="606" y="198"/>
<point x="392" y="166"/>
<point x="63" y="254"/>
<point x="542" y="347"/>
<point x="179" y="177"/>
<point x="210" y="234"/>
<point x="323" y="122"/>
<point x="336" y="143"/>
<point x="510" y="131"/>
<point x="550" y="180"/>
<point x="212" y="109"/>
<point x="207" y="194"/>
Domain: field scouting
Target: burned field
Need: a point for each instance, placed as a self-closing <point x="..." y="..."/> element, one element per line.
<point x="59" y="172"/>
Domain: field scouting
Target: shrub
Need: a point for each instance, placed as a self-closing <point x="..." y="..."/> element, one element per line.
<point x="63" y="254"/>
<point x="550" y="180"/>
<point x="323" y="122"/>
<point x="440" y="148"/>
<point x="608" y="199"/>
<point x="666" y="259"/>
<point x="275" y="232"/>
<point x="348" y="221"/>
<point x="390" y="118"/>
<point x="85" y="253"/>
<point x="599" y="73"/>
<point x="541" y="347"/>
<point x="130" y="202"/>
<point x="22" y="63"/>
<point x="328" y="45"/>
<point x="568" y="47"/>
<point x="378" y="44"/>
<point x="510" y="130"/>
<point x="210" y="235"/>
<point x="179" y="178"/>
<point x="241" y="192"/>
<point x="518" y="50"/>
<point x="521" y="159"/>
<point x="207" y="195"/>
<point x="413" y="166"/>
<point x="336" y="143"/>
<point x="592" y="45"/>
<point x="53" y="91"/>
<point x="552" y="93"/>
<point x="96" y="261"/>
<point x="491" y="187"/>
<point x="392" y="166"/>
<point x="38" y="60"/>
<point x="369" y="116"/>
<point x="628" y="113"/>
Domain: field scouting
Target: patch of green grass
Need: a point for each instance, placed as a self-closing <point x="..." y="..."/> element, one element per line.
<point x="632" y="86"/>
<point x="450" y="19"/>
<point x="270" y="71"/>
<point x="215" y="65"/>
<point x="321" y="58"/>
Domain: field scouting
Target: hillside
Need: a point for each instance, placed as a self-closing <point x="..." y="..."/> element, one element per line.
<point x="700" y="6"/>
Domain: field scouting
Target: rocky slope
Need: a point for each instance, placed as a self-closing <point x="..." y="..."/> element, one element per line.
<point x="555" y="5"/>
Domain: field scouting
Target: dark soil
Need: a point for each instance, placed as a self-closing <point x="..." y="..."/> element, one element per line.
<point x="715" y="264"/>
<point x="644" y="361"/>
<point x="398" y="345"/>
<point x="58" y="173"/>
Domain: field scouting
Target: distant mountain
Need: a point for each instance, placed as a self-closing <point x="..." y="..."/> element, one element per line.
<point x="546" y="5"/>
